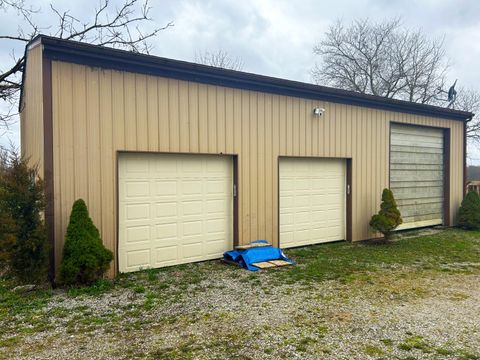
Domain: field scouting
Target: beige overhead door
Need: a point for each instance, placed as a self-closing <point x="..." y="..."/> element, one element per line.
<point x="416" y="174"/>
<point x="312" y="201"/>
<point x="173" y="209"/>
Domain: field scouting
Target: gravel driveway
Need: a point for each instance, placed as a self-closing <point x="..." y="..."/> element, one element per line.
<point x="212" y="311"/>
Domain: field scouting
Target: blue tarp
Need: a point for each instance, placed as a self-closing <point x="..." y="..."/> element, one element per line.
<point x="246" y="257"/>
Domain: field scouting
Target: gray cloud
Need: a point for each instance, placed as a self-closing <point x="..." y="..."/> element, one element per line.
<point x="276" y="37"/>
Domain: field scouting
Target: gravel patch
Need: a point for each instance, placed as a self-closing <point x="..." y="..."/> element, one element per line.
<point x="389" y="314"/>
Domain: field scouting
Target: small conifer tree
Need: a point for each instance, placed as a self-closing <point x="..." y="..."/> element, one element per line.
<point x="389" y="217"/>
<point x="7" y="240"/>
<point x="469" y="213"/>
<point x="85" y="259"/>
<point x="23" y="238"/>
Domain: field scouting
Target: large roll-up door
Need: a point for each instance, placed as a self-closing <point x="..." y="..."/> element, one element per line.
<point x="312" y="201"/>
<point x="417" y="174"/>
<point x="173" y="209"/>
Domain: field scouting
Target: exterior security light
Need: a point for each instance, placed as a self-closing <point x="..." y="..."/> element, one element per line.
<point x="318" y="111"/>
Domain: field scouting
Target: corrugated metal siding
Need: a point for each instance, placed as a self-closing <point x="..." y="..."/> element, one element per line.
<point x="98" y="112"/>
<point x="31" y="115"/>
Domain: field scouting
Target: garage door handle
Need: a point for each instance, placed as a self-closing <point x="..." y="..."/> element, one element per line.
<point x="348" y="189"/>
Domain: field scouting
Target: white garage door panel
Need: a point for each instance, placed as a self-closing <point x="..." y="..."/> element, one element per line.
<point x="312" y="201"/>
<point x="173" y="209"/>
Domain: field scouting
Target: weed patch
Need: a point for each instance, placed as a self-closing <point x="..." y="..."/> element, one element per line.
<point x="373" y="350"/>
<point x="415" y="342"/>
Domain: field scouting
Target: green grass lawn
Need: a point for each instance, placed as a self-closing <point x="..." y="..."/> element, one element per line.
<point x="449" y="250"/>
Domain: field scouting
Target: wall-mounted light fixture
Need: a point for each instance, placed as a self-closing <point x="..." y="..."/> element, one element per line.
<point x="318" y="111"/>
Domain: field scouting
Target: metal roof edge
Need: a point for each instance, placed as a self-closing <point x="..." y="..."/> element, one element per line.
<point x="104" y="57"/>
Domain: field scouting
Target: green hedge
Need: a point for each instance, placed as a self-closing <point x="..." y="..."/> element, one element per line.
<point x="23" y="237"/>
<point x="469" y="213"/>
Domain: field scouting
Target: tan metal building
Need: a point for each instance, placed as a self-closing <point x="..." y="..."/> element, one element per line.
<point x="179" y="162"/>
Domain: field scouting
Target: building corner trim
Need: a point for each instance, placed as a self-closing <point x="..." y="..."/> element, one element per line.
<point x="464" y="159"/>
<point x="447" y="220"/>
<point x="48" y="163"/>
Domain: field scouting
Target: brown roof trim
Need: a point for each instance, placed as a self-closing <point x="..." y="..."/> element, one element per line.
<point x="99" y="56"/>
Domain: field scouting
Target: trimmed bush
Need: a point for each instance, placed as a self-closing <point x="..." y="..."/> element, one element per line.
<point x="23" y="238"/>
<point x="85" y="259"/>
<point x="389" y="217"/>
<point x="469" y="213"/>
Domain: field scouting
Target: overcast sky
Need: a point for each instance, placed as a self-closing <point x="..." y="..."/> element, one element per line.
<point x="276" y="38"/>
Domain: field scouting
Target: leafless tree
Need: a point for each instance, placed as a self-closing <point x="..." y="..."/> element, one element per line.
<point x="219" y="59"/>
<point x="385" y="59"/>
<point x="382" y="59"/>
<point x="109" y="25"/>
<point x="469" y="100"/>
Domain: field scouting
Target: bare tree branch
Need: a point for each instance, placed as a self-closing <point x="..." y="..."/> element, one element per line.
<point x="9" y="37"/>
<point x="118" y="27"/>
<point x="382" y="59"/>
<point x="387" y="60"/>
<point x="219" y="59"/>
<point x="469" y="100"/>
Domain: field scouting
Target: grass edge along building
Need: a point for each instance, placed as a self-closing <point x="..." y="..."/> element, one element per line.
<point x="179" y="162"/>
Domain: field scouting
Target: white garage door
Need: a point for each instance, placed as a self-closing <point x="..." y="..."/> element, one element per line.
<point x="173" y="209"/>
<point x="416" y="174"/>
<point x="312" y="201"/>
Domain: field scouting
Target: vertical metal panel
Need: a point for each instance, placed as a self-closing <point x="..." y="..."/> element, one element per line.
<point x="173" y="112"/>
<point x="130" y="119"/>
<point x="244" y="183"/>
<point x="79" y="113"/>
<point x="183" y="117"/>
<point x="229" y="124"/>
<point x="268" y="163"/>
<point x="107" y="160"/>
<point x="118" y="109"/>
<point x="221" y="129"/>
<point x="276" y="143"/>
<point x="93" y="144"/>
<point x="156" y="114"/>
<point x="59" y="217"/>
<point x="211" y="118"/>
<point x="141" y="111"/>
<point x="193" y="116"/>
<point x="163" y="115"/>
<point x="31" y="115"/>
<point x="261" y="170"/>
<point x="152" y="113"/>
<point x="66" y="156"/>
<point x="237" y="149"/>
<point x="253" y="163"/>
<point x="202" y="118"/>
<point x="306" y="111"/>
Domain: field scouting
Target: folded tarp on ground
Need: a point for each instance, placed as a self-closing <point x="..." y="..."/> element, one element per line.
<point x="245" y="258"/>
